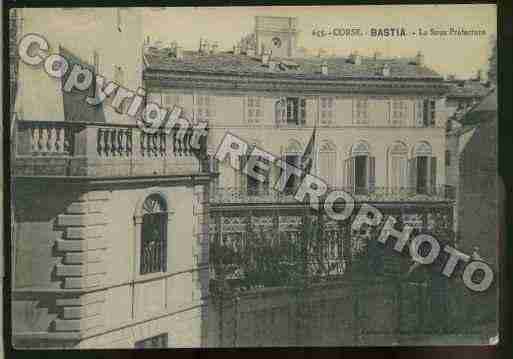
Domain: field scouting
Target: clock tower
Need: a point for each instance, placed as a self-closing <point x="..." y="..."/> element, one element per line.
<point x="276" y="34"/>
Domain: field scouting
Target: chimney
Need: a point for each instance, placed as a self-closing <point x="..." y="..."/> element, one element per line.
<point x="172" y="49"/>
<point x="214" y="48"/>
<point x="236" y="49"/>
<point x="419" y="59"/>
<point x="355" y="58"/>
<point x="203" y="49"/>
<point x="479" y="75"/>
<point x="266" y="56"/>
<point x="250" y="52"/>
<point x="179" y="52"/>
<point x="386" y="70"/>
<point x="321" y="52"/>
<point x="324" y="68"/>
<point x="262" y="49"/>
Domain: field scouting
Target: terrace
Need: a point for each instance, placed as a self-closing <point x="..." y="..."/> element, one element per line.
<point x="235" y="195"/>
<point x="83" y="149"/>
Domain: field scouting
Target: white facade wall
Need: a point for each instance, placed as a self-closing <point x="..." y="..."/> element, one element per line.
<point x="91" y="30"/>
<point x="134" y="307"/>
<point x="379" y="132"/>
<point x="139" y="306"/>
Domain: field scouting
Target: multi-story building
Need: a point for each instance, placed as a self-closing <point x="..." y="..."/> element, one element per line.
<point x="462" y="97"/>
<point x="463" y="94"/>
<point x="107" y="232"/>
<point x="475" y="160"/>
<point x="380" y="122"/>
<point x="379" y="134"/>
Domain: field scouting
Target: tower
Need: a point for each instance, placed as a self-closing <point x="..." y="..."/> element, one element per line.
<point x="276" y="34"/>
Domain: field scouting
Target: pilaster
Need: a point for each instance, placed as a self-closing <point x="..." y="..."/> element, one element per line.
<point x="83" y="247"/>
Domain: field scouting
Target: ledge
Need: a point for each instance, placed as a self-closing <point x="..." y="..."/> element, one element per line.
<point x="186" y="179"/>
<point x="72" y="245"/>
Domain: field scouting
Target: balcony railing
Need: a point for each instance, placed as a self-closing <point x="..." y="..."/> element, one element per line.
<point x="152" y="259"/>
<point x="234" y="195"/>
<point x="98" y="149"/>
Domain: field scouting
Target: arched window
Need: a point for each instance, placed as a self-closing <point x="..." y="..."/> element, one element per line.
<point x="153" y="235"/>
<point x="328" y="162"/>
<point x="249" y="184"/>
<point x="398" y="165"/>
<point x="423" y="169"/>
<point x="293" y="153"/>
<point x="360" y="169"/>
<point x="423" y="149"/>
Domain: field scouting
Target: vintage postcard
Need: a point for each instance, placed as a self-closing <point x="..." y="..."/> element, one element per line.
<point x="253" y="176"/>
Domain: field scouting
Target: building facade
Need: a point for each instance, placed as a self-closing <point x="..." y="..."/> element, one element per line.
<point x="379" y="127"/>
<point x="107" y="239"/>
<point x="380" y="122"/>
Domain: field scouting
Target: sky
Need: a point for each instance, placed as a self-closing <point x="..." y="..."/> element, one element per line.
<point x="458" y="55"/>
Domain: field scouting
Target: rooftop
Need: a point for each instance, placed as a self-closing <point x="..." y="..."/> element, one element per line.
<point x="483" y="111"/>
<point x="228" y="63"/>
<point x="468" y="89"/>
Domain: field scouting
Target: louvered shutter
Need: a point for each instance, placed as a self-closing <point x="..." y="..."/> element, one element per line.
<point x="350" y="173"/>
<point x="279" y="109"/>
<point x="425" y="113"/>
<point x="433" y="175"/>
<point x="302" y="111"/>
<point x="432" y="113"/>
<point x="243" y="179"/>
<point x="412" y="169"/>
<point x="372" y="173"/>
<point x="163" y="240"/>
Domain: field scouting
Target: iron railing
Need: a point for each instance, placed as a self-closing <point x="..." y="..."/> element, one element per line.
<point x="377" y="194"/>
<point x="152" y="258"/>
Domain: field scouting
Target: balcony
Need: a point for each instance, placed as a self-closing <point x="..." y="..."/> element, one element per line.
<point x="75" y="149"/>
<point x="235" y="195"/>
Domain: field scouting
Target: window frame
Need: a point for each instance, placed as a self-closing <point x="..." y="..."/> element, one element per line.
<point x="295" y="111"/>
<point x="138" y="227"/>
<point x="361" y="112"/>
<point x="204" y="104"/>
<point x="399" y="112"/>
<point x="252" y="109"/>
<point x="326" y="110"/>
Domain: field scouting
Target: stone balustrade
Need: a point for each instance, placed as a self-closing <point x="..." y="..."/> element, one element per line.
<point x="50" y="148"/>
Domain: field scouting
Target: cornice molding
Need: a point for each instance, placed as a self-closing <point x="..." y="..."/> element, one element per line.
<point x="168" y="79"/>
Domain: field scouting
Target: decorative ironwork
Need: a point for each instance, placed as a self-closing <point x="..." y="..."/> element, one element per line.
<point x="251" y="250"/>
<point x="376" y="194"/>
<point x="154" y="235"/>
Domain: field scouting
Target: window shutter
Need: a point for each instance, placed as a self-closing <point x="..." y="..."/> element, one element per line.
<point x="432" y="113"/>
<point x="214" y="168"/>
<point x="163" y="240"/>
<point x="413" y="173"/>
<point x="425" y="113"/>
<point x="302" y="111"/>
<point x="372" y="173"/>
<point x="433" y="175"/>
<point x="353" y="116"/>
<point x="350" y="173"/>
<point x="279" y="108"/>
<point x="243" y="179"/>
